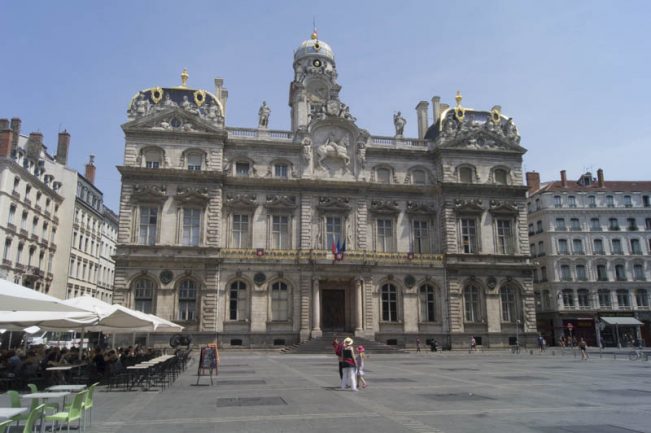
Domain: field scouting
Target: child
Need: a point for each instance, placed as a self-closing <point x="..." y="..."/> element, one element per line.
<point x="361" y="356"/>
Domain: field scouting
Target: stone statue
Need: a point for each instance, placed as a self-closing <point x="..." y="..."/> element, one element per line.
<point x="399" y="122"/>
<point x="213" y="112"/>
<point x="142" y="105"/>
<point x="307" y="149"/>
<point x="449" y="129"/>
<point x="361" y="152"/>
<point x="511" y="131"/>
<point x="332" y="149"/>
<point x="263" y="115"/>
<point x="186" y="104"/>
<point x="168" y="101"/>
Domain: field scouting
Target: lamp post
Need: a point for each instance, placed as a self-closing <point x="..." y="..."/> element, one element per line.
<point x="517" y="333"/>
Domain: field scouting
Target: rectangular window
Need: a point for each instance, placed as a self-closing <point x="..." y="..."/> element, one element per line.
<point x="194" y="162"/>
<point x="617" y="246"/>
<point x="334" y="231"/>
<point x="635" y="247"/>
<point x="598" y="246"/>
<point x="242" y="169"/>
<point x="627" y="201"/>
<point x="638" y="272"/>
<point x="568" y="298"/>
<point x="557" y="201"/>
<point x="584" y="298"/>
<point x="613" y="224"/>
<point x="620" y="273"/>
<point x="604" y="298"/>
<point x="592" y="202"/>
<point x="577" y="246"/>
<point x="421" y="240"/>
<point x="12" y="214"/>
<point x="595" y="225"/>
<point x="602" y="275"/>
<point x="5" y="253"/>
<point x="562" y="246"/>
<point x="647" y="223"/>
<point x="565" y="273"/>
<point x="148" y="225"/>
<point x="191" y="226"/>
<point x="610" y="201"/>
<point x="468" y="235"/>
<point x="632" y="224"/>
<point x="560" y="224"/>
<point x="384" y="235"/>
<point x="240" y="231"/>
<point x="623" y="299"/>
<point x="539" y="227"/>
<point x="280" y="170"/>
<point x="642" y="298"/>
<point x="571" y="201"/>
<point x="646" y="201"/>
<point x="580" y="273"/>
<point x="575" y="224"/>
<point x="152" y="164"/>
<point x="280" y="232"/>
<point x="543" y="274"/>
<point x="504" y="237"/>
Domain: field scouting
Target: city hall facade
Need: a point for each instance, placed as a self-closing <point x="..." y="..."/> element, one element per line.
<point x="262" y="237"/>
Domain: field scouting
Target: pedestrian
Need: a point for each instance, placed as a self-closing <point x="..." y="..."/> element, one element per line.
<point x="433" y="344"/>
<point x="541" y="342"/>
<point x="349" y="365"/>
<point x="417" y="344"/>
<point x="361" y="357"/>
<point x="338" y="347"/>
<point x="473" y="344"/>
<point x="584" y="349"/>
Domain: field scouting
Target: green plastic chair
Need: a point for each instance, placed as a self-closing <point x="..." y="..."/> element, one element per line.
<point x="87" y="404"/>
<point x="34" y="389"/>
<point x="72" y="414"/>
<point x="14" y="400"/>
<point x="5" y="424"/>
<point x="35" y="414"/>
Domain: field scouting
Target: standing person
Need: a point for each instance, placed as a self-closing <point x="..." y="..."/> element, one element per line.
<point x="361" y="357"/>
<point x="417" y="344"/>
<point x="338" y="347"/>
<point x="349" y="365"/>
<point x="541" y="342"/>
<point x="473" y="344"/>
<point x="583" y="347"/>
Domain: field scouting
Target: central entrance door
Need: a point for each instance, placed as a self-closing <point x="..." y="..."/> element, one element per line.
<point x="333" y="308"/>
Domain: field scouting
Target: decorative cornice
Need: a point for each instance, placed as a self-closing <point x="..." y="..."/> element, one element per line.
<point x="334" y="204"/>
<point x="241" y="201"/>
<point x="149" y="193"/>
<point x="279" y="201"/>
<point x="192" y="195"/>
<point x="384" y="207"/>
<point x="502" y="207"/>
<point x="468" y="206"/>
<point x="419" y="208"/>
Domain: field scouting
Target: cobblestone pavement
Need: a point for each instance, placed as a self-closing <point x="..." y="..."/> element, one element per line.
<point x="414" y="392"/>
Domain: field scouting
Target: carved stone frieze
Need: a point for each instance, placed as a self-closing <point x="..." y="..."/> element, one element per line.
<point x="188" y="195"/>
<point x="241" y="201"/>
<point x="149" y="193"/>
<point x="468" y="206"/>
<point x="334" y="204"/>
<point x="503" y="207"/>
<point x="384" y="207"/>
<point x="280" y="201"/>
<point x="420" y="208"/>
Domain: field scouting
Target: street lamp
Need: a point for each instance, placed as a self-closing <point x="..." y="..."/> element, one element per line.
<point x="517" y="333"/>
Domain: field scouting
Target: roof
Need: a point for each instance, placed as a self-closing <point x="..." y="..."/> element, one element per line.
<point x="609" y="186"/>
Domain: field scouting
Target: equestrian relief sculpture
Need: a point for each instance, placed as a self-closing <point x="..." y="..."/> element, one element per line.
<point x="331" y="149"/>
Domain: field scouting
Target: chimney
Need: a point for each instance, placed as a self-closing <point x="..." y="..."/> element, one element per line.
<point x="600" y="178"/>
<point x="90" y="170"/>
<point x="62" y="148"/>
<point x="533" y="181"/>
<point x="436" y="109"/>
<point x="421" y="114"/>
<point x="563" y="179"/>
<point x="15" y="127"/>
<point x="6" y="137"/>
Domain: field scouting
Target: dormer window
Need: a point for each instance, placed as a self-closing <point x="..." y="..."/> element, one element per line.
<point x="242" y="169"/>
<point x="627" y="201"/>
<point x="383" y="175"/>
<point x="465" y="175"/>
<point x="281" y="170"/>
<point x="610" y="201"/>
<point x="500" y="176"/>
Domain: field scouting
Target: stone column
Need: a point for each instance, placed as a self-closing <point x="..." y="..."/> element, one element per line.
<point x="358" y="307"/>
<point x="316" y="305"/>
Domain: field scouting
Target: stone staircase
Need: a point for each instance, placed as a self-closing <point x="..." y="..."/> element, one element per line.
<point x="324" y="345"/>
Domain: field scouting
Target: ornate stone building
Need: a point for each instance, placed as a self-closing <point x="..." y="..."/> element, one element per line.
<point x="267" y="237"/>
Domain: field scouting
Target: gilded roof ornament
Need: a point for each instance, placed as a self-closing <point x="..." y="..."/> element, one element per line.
<point x="184" y="78"/>
<point x="459" y="111"/>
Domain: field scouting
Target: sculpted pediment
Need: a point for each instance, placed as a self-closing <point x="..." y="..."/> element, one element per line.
<point x="279" y="201"/>
<point x="192" y="195"/>
<point x="419" y="208"/>
<point x="149" y="193"/>
<point x="481" y="131"/>
<point x="334" y="204"/>
<point x="174" y="119"/>
<point x="241" y="201"/>
<point x="384" y="207"/>
<point x="503" y="207"/>
<point x="468" y="206"/>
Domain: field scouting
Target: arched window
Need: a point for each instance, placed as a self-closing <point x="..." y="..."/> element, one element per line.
<point x="465" y="175"/>
<point x="143" y="295"/>
<point x="383" y="175"/>
<point x="509" y="311"/>
<point x="427" y="304"/>
<point x="500" y="176"/>
<point x="194" y="161"/>
<point x="472" y="303"/>
<point x="237" y="301"/>
<point x="279" y="301"/>
<point x="187" y="300"/>
<point x="153" y="158"/>
<point x="389" y="303"/>
<point x="418" y="177"/>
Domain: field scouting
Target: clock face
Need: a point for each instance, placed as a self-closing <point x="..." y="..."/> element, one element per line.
<point x="316" y="63"/>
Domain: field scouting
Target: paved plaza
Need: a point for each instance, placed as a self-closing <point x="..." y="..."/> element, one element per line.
<point x="408" y="392"/>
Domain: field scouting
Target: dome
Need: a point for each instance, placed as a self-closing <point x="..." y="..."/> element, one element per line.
<point x="313" y="47"/>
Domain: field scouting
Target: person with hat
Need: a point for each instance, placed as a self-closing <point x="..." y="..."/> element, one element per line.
<point x="349" y="365"/>
<point x="361" y="356"/>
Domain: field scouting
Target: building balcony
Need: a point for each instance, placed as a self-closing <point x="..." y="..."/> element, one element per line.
<point x="622" y="307"/>
<point x="11" y="227"/>
<point x="37" y="207"/>
<point x="28" y="202"/>
<point x="581" y="278"/>
<point x="34" y="237"/>
<point x="643" y="307"/>
<point x="20" y="266"/>
<point x="564" y="253"/>
<point x="6" y="262"/>
<point x="16" y="194"/>
<point x="640" y="278"/>
<point x="23" y="232"/>
<point x="566" y="278"/>
<point x="578" y="253"/>
<point x="561" y="229"/>
<point x="632" y="228"/>
<point x="620" y="278"/>
<point x="595" y="229"/>
<point x="602" y="279"/>
<point x="539" y="231"/>
<point x="617" y="253"/>
<point x="542" y="254"/>
<point x="636" y="252"/>
<point x="46" y="213"/>
<point x="599" y="253"/>
<point x="614" y="228"/>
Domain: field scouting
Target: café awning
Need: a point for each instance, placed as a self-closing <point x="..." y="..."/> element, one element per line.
<point x="630" y="321"/>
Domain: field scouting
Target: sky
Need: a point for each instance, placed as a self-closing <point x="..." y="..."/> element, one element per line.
<point x="574" y="75"/>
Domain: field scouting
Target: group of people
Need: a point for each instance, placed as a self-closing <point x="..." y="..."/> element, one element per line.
<point x="351" y="363"/>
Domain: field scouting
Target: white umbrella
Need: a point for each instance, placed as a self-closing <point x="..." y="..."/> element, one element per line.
<point x="49" y="320"/>
<point x="14" y="297"/>
<point x="111" y="317"/>
<point x="163" y="325"/>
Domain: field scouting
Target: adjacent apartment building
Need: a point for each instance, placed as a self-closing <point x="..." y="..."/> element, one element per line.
<point x="263" y="237"/>
<point x="590" y="240"/>
<point x="45" y="208"/>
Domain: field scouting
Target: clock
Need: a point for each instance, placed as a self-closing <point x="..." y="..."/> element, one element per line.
<point x="317" y="63"/>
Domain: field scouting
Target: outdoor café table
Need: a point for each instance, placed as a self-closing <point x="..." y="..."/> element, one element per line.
<point x="10" y="412"/>
<point x="45" y="396"/>
<point x="71" y="388"/>
<point x="64" y="368"/>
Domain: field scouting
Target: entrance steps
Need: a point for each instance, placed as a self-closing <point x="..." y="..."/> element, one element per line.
<point x="324" y="345"/>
